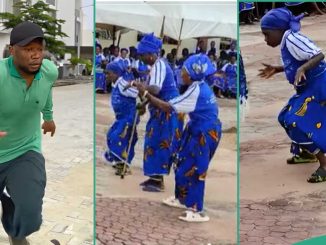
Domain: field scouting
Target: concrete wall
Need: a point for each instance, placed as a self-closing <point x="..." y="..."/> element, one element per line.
<point x="4" y="40"/>
<point x="5" y="5"/>
<point x="87" y="19"/>
<point x="66" y="11"/>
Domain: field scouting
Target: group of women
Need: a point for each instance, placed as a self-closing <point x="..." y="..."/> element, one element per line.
<point x="168" y="143"/>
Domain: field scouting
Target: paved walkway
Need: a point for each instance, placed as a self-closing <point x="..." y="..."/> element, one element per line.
<point x="283" y="221"/>
<point x="127" y="215"/>
<point x="278" y="206"/>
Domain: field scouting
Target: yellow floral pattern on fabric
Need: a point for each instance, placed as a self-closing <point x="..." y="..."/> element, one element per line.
<point x="177" y="134"/>
<point x="149" y="152"/>
<point x="213" y="134"/>
<point x="182" y="192"/>
<point x="191" y="172"/>
<point x="124" y="132"/>
<point x="165" y="144"/>
<point x="202" y="140"/>
<point x="303" y="109"/>
<point x="181" y="116"/>
<point x="202" y="176"/>
<point x="124" y="154"/>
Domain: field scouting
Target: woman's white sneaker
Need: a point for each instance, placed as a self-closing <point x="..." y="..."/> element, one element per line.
<point x="191" y="216"/>
<point x="173" y="202"/>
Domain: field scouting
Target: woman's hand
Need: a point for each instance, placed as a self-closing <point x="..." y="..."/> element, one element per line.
<point x="268" y="71"/>
<point x="299" y="77"/>
<point x="140" y="87"/>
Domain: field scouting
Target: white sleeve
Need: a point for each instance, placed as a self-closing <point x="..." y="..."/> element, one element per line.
<point x="158" y="74"/>
<point x="224" y="67"/>
<point x="133" y="63"/>
<point x="301" y="47"/>
<point x="130" y="92"/>
<point x="186" y="102"/>
<point x="137" y="64"/>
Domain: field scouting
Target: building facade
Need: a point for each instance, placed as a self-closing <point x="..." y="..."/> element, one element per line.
<point x="78" y="16"/>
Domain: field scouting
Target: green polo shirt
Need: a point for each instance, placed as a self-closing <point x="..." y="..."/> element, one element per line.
<point x="21" y="108"/>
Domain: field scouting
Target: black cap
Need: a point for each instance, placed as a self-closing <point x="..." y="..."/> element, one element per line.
<point x="25" y="32"/>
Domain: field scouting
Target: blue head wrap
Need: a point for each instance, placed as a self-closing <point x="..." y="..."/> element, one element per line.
<point x="118" y="67"/>
<point x="199" y="66"/>
<point x="149" y="44"/>
<point x="281" y="19"/>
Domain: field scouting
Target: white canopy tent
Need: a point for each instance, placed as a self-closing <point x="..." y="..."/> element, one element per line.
<point x="191" y="20"/>
<point x="178" y="20"/>
<point x="134" y="15"/>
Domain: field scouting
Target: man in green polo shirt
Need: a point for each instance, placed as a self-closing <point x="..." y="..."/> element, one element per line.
<point x="26" y="82"/>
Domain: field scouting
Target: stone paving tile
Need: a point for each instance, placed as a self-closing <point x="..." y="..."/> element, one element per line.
<point x="138" y="221"/>
<point x="131" y="217"/>
<point x="283" y="221"/>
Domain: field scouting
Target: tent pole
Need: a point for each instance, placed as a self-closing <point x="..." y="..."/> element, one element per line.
<point x="119" y="38"/>
<point x="162" y="28"/>
<point x="257" y="10"/>
<point x="179" y="42"/>
<point x="114" y="37"/>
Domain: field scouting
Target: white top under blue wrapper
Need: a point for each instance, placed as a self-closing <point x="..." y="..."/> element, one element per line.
<point x="162" y="76"/>
<point x="297" y="49"/>
<point x="130" y="92"/>
<point x="299" y="46"/>
<point x="232" y="67"/>
<point x="123" y="102"/>
<point x="125" y="60"/>
<point x="199" y="101"/>
<point x="158" y="73"/>
<point x="186" y="102"/>
<point x="98" y="62"/>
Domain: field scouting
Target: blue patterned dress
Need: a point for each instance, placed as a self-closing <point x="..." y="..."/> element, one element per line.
<point x="161" y="126"/>
<point x="100" y="80"/>
<point x="231" y="77"/>
<point x="303" y="118"/>
<point x="118" y="136"/>
<point x="199" y="142"/>
<point x="243" y="89"/>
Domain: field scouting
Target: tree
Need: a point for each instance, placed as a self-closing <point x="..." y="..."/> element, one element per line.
<point x="42" y="14"/>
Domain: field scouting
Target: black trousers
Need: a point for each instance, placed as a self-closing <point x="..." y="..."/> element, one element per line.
<point x="25" y="180"/>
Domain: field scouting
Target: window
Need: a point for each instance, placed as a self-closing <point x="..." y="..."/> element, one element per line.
<point x="51" y="2"/>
